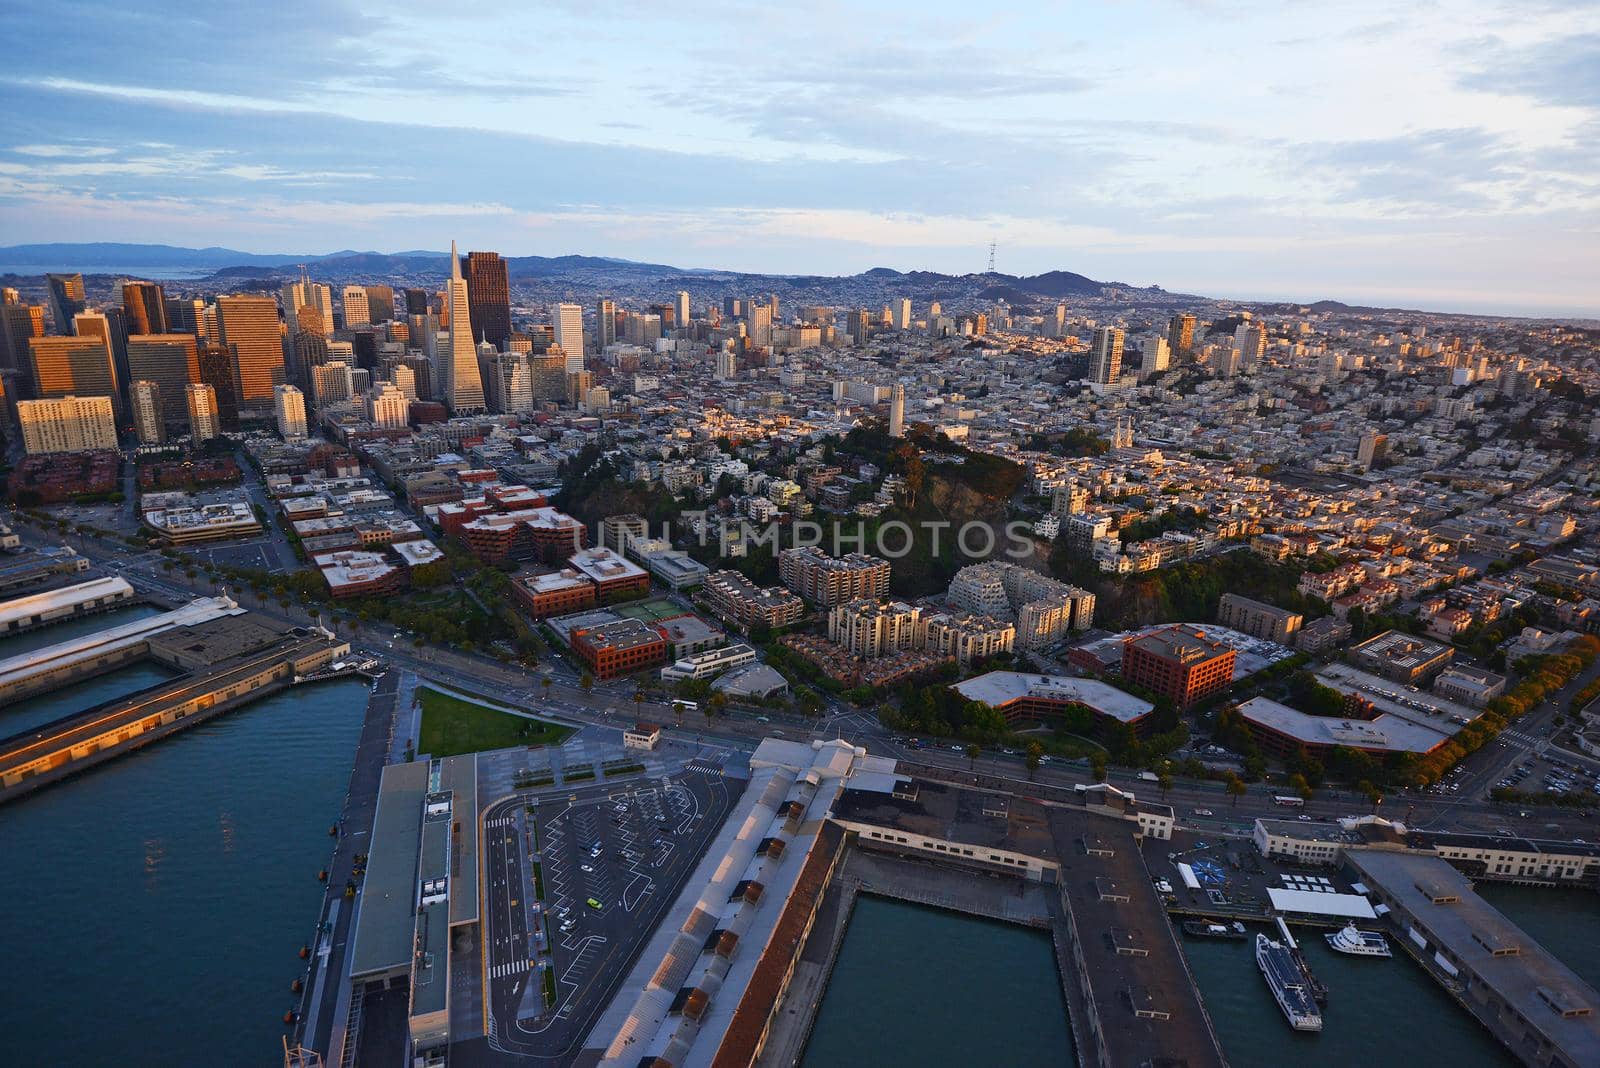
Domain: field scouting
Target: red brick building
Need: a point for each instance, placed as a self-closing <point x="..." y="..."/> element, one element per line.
<point x="542" y="534"/>
<point x="621" y="648"/>
<point x="553" y="594"/>
<point x="1179" y="663"/>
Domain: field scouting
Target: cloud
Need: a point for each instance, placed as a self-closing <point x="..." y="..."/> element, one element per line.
<point x="1562" y="71"/>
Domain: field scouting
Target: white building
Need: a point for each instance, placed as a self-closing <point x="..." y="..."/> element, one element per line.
<point x="144" y="398"/>
<point x="387" y="406"/>
<point x="290" y="405"/>
<point x="202" y="401"/>
<point x="67" y="424"/>
<point x="1157" y="356"/>
<point x="567" y="320"/>
<point x="357" y="310"/>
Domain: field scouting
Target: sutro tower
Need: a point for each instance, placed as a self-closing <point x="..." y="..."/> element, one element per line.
<point x="991" y="257"/>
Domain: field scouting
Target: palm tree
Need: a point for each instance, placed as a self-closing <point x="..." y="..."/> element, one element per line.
<point x="1097" y="767"/>
<point x="1032" y="758"/>
<point x="1236" y="788"/>
<point x="638" y="700"/>
<point x="973" y="752"/>
<point x="586" y="683"/>
<point x="546" y="683"/>
<point x="1164" y="782"/>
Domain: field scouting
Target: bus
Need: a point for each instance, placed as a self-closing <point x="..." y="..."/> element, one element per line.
<point x="680" y="705"/>
<point x="1289" y="802"/>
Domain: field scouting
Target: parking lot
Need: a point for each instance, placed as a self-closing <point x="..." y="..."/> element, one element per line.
<point x="609" y="859"/>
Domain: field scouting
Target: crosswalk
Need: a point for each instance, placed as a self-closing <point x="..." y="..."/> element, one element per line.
<point x="1518" y="736"/>
<point x="704" y="768"/>
<point x="503" y="821"/>
<point x="509" y="968"/>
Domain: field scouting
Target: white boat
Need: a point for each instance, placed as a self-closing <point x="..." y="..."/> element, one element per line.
<point x="1287" y="983"/>
<point x="1358" y="943"/>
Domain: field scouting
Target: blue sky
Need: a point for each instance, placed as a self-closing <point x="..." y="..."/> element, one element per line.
<point x="1436" y="155"/>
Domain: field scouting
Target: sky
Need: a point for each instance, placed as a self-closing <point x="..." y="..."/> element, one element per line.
<point x="1435" y="155"/>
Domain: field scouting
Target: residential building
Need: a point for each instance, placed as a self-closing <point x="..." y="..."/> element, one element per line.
<point x="870" y="629"/>
<point x="149" y="424"/>
<point x="67" y="424"/>
<point x="1259" y="619"/>
<point x="201" y="400"/>
<point x="828" y="581"/>
<point x="290" y="409"/>
<point x="1105" y="355"/>
<point x="739" y="601"/>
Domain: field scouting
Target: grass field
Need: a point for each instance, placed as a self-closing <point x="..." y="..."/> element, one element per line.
<point x="451" y="726"/>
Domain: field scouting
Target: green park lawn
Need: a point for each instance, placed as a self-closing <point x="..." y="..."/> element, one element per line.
<point x="451" y="726"/>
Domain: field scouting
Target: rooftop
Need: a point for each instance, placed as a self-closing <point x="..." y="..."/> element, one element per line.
<point x="997" y="688"/>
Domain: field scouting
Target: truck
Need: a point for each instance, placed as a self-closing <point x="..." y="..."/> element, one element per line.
<point x="1149" y="776"/>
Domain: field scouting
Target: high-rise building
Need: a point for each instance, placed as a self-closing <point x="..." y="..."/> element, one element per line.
<point x="216" y="371"/>
<point x="463" y="383"/>
<point x="149" y="421"/>
<point x="331" y="383"/>
<point x="1251" y="341"/>
<point x="1105" y="355"/>
<point x="759" y="325"/>
<point x="306" y="294"/>
<point x="380" y="303"/>
<point x="171" y="361"/>
<point x="203" y="421"/>
<point x="605" y="324"/>
<point x="416" y="302"/>
<point x="77" y="366"/>
<point x="732" y="307"/>
<point x="858" y="323"/>
<point x="248" y="325"/>
<point x="146" y="307"/>
<point x="387" y="407"/>
<point x="67" y="424"/>
<point x="489" y="295"/>
<point x="897" y="411"/>
<point x="21" y="323"/>
<point x="404" y="379"/>
<point x="902" y="313"/>
<point x="1374" y="447"/>
<point x="1157" y="356"/>
<point x="568" y="322"/>
<point x="511" y="382"/>
<point x="1180" y="334"/>
<point x="290" y="405"/>
<point x="680" y="309"/>
<point x="185" y="315"/>
<point x="357" y="312"/>
<point x="727" y="365"/>
<point x="66" y="299"/>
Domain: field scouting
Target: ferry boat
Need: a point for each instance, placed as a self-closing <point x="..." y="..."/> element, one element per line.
<point x="1211" y="929"/>
<point x="1358" y="943"/>
<point x="1287" y="982"/>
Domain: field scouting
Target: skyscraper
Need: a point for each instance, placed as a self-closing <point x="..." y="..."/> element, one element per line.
<point x="290" y="406"/>
<point x="1156" y="356"/>
<point x="760" y="325"/>
<point x="902" y="314"/>
<point x="184" y="316"/>
<point x="680" y="309"/>
<point x="216" y="371"/>
<point x="356" y="310"/>
<point x="1180" y="335"/>
<point x="308" y="294"/>
<point x="605" y="324"/>
<point x="76" y="366"/>
<point x="897" y="411"/>
<point x="489" y="294"/>
<point x="1105" y="355"/>
<point x="21" y="323"/>
<point x="416" y="302"/>
<point x="387" y="407"/>
<point x="66" y="299"/>
<point x="380" y="303"/>
<point x="146" y="308"/>
<point x="463" y="385"/>
<point x="568" y="322"/>
<point x="1056" y="321"/>
<point x="149" y="421"/>
<point x="171" y="361"/>
<point x="202" y="400"/>
<point x="248" y="326"/>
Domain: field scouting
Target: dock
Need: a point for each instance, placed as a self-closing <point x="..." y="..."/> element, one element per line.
<point x="34" y="610"/>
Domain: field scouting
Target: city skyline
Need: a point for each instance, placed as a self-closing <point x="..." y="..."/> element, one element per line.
<point x="1440" y="160"/>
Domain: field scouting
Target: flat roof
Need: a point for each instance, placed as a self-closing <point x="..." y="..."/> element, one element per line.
<point x="459" y="775"/>
<point x="1531" y="981"/>
<point x="67" y="597"/>
<point x="1316" y="903"/>
<point x="384" y="927"/>
<point x="603" y="565"/>
<point x="997" y="688"/>
<point x="1387" y="732"/>
<point x="953" y="814"/>
<point x="53" y="657"/>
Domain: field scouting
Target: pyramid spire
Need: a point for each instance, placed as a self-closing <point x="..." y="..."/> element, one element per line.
<point x="455" y="264"/>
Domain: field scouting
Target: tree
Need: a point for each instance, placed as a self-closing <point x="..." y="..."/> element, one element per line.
<point x="586" y="683"/>
<point x="546" y="683"/>
<point x="1097" y="766"/>
<point x="974" y="750"/>
<point x="1164" y="782"/>
<point x="1373" y="795"/>
<point x="1298" y="783"/>
<point x="1236" y="788"/>
<point x="638" y="699"/>
<point x="1032" y="757"/>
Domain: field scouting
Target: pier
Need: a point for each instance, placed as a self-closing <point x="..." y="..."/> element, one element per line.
<point x="22" y="614"/>
<point x="226" y="661"/>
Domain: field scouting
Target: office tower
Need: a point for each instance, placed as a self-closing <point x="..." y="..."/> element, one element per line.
<point x="290" y="406"/>
<point x="216" y="371"/>
<point x="387" y="407"/>
<point x="110" y="325"/>
<point x="897" y="411"/>
<point x="331" y="383"/>
<point x="308" y="294"/>
<point x="1105" y="355"/>
<point x="9" y="295"/>
<point x="171" y="361"/>
<point x="422" y="376"/>
<point x="67" y="424"/>
<point x="149" y="420"/>
<point x="146" y="308"/>
<point x="1374" y="447"/>
<point x="605" y="325"/>
<point x="248" y="326"/>
<point x="356" y="311"/>
<point x="1180" y="335"/>
<point x="568" y="322"/>
<point x="310" y="351"/>
<point x="726" y="366"/>
<point x="463" y="385"/>
<point x="902" y="314"/>
<point x="79" y="366"/>
<point x="380" y="303"/>
<point x="202" y="402"/>
<point x="641" y="329"/>
<point x="208" y="325"/>
<point x="549" y="377"/>
<point x="1055" y="324"/>
<point x="1156" y="356"/>
<point x="579" y="383"/>
<point x="732" y="307"/>
<point x="760" y="325"/>
<point x="489" y="296"/>
<point x="184" y="315"/>
<point x="858" y="323"/>
<point x="360" y="381"/>
<point x="66" y="299"/>
<point x="416" y="302"/>
<point x="21" y="323"/>
<point x="680" y="309"/>
<point x="404" y="379"/>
